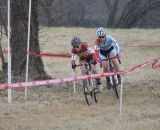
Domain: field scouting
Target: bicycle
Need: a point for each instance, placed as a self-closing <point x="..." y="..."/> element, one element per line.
<point x="113" y="78"/>
<point x="90" y="86"/>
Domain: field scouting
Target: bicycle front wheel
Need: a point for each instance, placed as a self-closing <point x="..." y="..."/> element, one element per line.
<point x="89" y="95"/>
<point x="96" y="93"/>
<point x="116" y="87"/>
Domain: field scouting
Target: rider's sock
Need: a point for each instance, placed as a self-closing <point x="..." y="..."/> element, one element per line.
<point x="107" y="79"/>
<point x="98" y="81"/>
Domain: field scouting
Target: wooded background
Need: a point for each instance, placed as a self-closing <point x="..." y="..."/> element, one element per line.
<point x="94" y="13"/>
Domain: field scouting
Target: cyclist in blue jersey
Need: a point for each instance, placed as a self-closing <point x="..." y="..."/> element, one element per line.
<point x="106" y="45"/>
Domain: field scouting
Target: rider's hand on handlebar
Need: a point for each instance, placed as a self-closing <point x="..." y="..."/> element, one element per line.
<point x="99" y="60"/>
<point x="94" y="62"/>
<point x="119" y="56"/>
<point x="74" y="66"/>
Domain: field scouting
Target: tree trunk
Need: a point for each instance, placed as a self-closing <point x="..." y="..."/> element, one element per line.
<point x="19" y="29"/>
<point x="3" y="16"/>
<point x="112" y="14"/>
<point x="4" y="64"/>
<point x="3" y="26"/>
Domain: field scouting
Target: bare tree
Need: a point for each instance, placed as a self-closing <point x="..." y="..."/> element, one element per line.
<point x="3" y="26"/>
<point x="19" y="28"/>
<point x="132" y="12"/>
<point x="113" y="10"/>
<point x="47" y="7"/>
<point x="118" y="13"/>
<point x="3" y="17"/>
<point x="63" y="13"/>
<point x="4" y="64"/>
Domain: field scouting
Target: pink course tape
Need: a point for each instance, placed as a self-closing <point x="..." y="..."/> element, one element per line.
<point x="152" y="62"/>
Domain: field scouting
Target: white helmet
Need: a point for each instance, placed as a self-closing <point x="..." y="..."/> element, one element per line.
<point x="101" y="31"/>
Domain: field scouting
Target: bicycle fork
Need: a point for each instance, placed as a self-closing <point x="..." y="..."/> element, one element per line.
<point x="114" y="77"/>
<point x="90" y="82"/>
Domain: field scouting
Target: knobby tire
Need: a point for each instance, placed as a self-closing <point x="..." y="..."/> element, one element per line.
<point x="115" y="87"/>
<point x="88" y="96"/>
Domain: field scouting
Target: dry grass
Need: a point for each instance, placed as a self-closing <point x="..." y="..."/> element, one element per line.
<point x="50" y="108"/>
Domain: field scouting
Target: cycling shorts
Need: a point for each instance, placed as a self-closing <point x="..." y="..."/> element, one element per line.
<point x="103" y="54"/>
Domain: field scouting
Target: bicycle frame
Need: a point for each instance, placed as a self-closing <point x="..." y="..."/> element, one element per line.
<point x="112" y="69"/>
<point x="93" y="95"/>
<point x="113" y="78"/>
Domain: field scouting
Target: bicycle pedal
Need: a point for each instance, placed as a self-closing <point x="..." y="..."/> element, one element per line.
<point x="88" y="91"/>
<point x="98" y="91"/>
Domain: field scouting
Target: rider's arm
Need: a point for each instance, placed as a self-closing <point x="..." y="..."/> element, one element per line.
<point x="115" y="44"/>
<point x="73" y="58"/>
<point x="96" y="48"/>
<point x="96" y="54"/>
<point x="117" y="47"/>
<point x="90" y="50"/>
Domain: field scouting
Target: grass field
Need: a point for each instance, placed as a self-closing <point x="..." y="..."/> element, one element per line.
<point x="56" y="107"/>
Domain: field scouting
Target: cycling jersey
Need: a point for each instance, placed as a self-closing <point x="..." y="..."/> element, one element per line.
<point x="109" y="46"/>
<point x="83" y="52"/>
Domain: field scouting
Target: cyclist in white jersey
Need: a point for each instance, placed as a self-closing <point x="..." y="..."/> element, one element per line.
<point x="105" y="46"/>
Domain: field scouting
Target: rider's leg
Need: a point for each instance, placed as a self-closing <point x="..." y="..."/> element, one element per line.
<point x="115" y="62"/>
<point x="82" y="70"/>
<point x="105" y="70"/>
<point x="94" y="69"/>
<point x="98" y="80"/>
<point x="105" y="66"/>
<point x="84" y="73"/>
<point x="116" y="65"/>
<point x="82" y="61"/>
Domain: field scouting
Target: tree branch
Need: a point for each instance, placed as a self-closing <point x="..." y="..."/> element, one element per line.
<point x="133" y="12"/>
<point x="108" y="3"/>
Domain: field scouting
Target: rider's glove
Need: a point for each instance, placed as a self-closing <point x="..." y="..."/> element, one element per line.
<point x="73" y="63"/>
<point x="94" y="62"/>
<point x="99" y="60"/>
<point x="73" y="66"/>
<point x="119" y="56"/>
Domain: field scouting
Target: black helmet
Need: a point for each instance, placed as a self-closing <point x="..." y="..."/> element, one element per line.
<point x="76" y="41"/>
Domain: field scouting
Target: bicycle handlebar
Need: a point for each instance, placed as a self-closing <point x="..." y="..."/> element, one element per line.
<point x="82" y="64"/>
<point x="85" y="63"/>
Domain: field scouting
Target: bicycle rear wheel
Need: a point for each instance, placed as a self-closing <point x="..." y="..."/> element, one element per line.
<point x="89" y="95"/>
